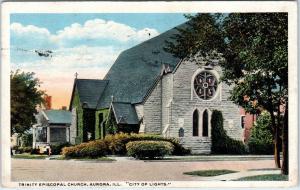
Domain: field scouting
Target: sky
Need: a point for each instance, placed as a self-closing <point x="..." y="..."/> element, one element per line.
<point x="84" y="43"/>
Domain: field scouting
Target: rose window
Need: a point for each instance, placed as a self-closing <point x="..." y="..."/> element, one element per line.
<point x="205" y="85"/>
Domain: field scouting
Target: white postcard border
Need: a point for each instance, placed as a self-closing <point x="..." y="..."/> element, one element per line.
<point x="155" y="7"/>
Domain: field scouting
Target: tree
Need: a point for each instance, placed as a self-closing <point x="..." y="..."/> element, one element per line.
<point x="26" y="138"/>
<point x="261" y="138"/>
<point x="254" y="48"/>
<point x="257" y="64"/>
<point x="25" y="96"/>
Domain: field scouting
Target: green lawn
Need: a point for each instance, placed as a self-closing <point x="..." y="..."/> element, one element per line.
<point x="267" y="177"/>
<point x="209" y="173"/>
<point x="29" y="156"/>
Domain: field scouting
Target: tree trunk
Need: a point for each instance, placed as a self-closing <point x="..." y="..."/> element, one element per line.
<point x="276" y="141"/>
<point x="285" y="147"/>
<point x="277" y="148"/>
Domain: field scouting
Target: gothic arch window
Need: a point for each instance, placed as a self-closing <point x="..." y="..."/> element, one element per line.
<point x="196" y="123"/>
<point x="205" y="85"/>
<point x="205" y="124"/>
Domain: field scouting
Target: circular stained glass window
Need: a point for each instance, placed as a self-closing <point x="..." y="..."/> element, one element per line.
<point x="205" y="85"/>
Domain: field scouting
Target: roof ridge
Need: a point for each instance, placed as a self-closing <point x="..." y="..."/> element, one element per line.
<point x="165" y="32"/>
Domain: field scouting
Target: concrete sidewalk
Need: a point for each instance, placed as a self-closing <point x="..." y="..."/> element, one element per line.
<point x="199" y="158"/>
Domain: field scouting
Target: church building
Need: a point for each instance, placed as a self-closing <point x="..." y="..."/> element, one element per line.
<point x="148" y="90"/>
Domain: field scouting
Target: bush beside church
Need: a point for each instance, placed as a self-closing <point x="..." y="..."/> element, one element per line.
<point x="221" y="142"/>
<point x="116" y="145"/>
<point x="151" y="146"/>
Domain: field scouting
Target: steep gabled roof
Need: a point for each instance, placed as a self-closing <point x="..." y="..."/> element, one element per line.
<point x="89" y="91"/>
<point x="124" y="113"/>
<point x="136" y="70"/>
<point x="58" y="116"/>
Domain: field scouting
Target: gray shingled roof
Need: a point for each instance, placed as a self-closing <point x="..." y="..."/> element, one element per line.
<point x="136" y="70"/>
<point x="124" y="113"/>
<point x="90" y="90"/>
<point x="59" y="116"/>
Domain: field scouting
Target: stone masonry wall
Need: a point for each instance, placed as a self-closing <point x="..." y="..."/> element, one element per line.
<point x="185" y="101"/>
<point x="139" y="108"/>
<point x="167" y="95"/>
<point x="153" y="112"/>
<point x="73" y="126"/>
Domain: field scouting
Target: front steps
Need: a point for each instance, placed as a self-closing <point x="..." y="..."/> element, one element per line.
<point x="197" y="145"/>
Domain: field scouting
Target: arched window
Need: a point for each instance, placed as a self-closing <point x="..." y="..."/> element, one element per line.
<point x="205" y="124"/>
<point x="196" y="123"/>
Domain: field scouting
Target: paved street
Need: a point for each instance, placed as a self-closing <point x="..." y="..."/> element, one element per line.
<point x="122" y="169"/>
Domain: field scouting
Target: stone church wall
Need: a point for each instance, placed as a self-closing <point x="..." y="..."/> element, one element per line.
<point x="153" y="112"/>
<point x="167" y="95"/>
<point x="185" y="101"/>
<point x="73" y="126"/>
<point x="171" y="104"/>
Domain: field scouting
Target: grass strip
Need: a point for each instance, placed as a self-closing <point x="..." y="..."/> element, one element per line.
<point x="29" y="156"/>
<point x="209" y="173"/>
<point x="266" y="177"/>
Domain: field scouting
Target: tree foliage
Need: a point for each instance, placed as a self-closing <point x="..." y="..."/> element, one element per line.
<point x="221" y="142"/>
<point x="200" y="35"/>
<point x="111" y="126"/>
<point x="26" y="139"/>
<point x="25" y="96"/>
<point x="256" y="59"/>
<point x="261" y="138"/>
<point x="261" y="131"/>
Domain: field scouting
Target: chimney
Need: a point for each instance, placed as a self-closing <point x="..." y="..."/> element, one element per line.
<point x="48" y="102"/>
<point x="64" y="107"/>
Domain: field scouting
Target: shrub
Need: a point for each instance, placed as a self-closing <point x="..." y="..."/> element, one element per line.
<point x="234" y="146"/>
<point x="57" y="148"/>
<point x="261" y="139"/>
<point x="117" y="143"/>
<point x="90" y="149"/>
<point x="15" y="147"/>
<point x="26" y="139"/>
<point x="21" y="149"/>
<point x="260" y="148"/>
<point x="35" y="151"/>
<point x="149" y="149"/>
<point x="25" y="149"/>
<point x="221" y="142"/>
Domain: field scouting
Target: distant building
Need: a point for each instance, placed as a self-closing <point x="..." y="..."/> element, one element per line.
<point x="247" y="122"/>
<point x="52" y="127"/>
<point x="15" y="140"/>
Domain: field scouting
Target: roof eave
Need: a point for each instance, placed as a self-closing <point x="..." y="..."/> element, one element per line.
<point x="72" y="96"/>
